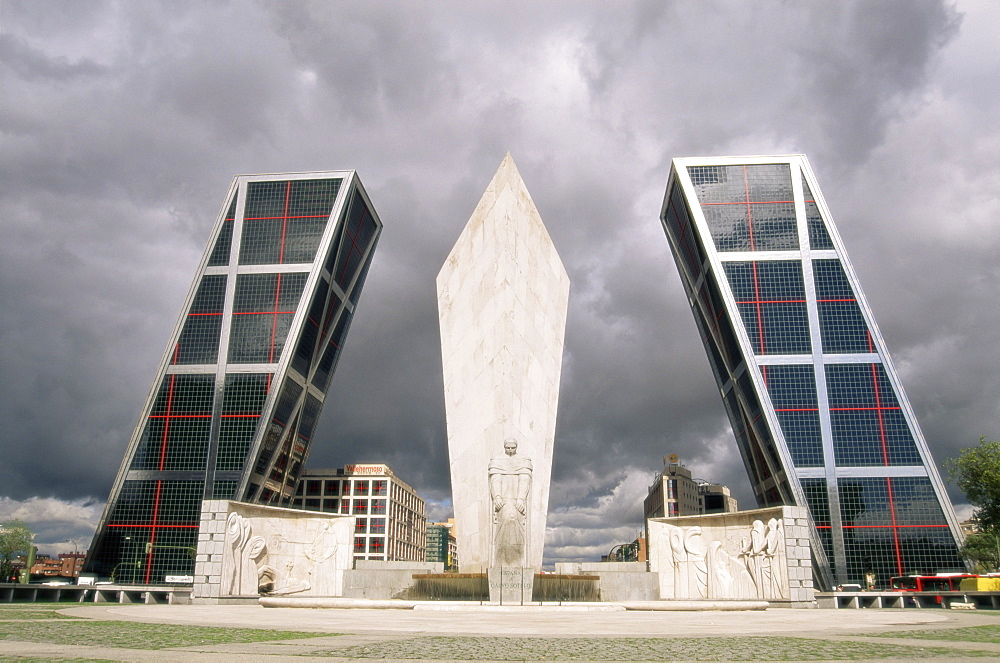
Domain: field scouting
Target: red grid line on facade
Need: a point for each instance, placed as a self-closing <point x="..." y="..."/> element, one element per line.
<point x="760" y="311"/>
<point x="152" y="530"/>
<point x="197" y="416"/>
<point x="284" y="222"/>
<point x="892" y="527"/>
<point x="746" y="193"/>
<point x="879" y="408"/>
<point x="276" y="218"/>
<point x="683" y="237"/>
<point x="895" y="526"/>
<point x="837" y="409"/>
<point x="755" y="202"/>
<point x="274" y="320"/>
<point x="159" y="526"/>
<point x="772" y="301"/>
<point x="166" y="424"/>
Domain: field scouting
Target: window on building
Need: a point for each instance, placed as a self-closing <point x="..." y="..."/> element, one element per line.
<point x="332" y="487"/>
<point x="360" y="487"/>
<point x="378" y="506"/>
<point x="672" y="489"/>
<point x="360" y="525"/>
<point x="331" y="506"/>
<point x="313" y="504"/>
<point x="313" y="487"/>
<point x="672" y="509"/>
<point x="360" y="506"/>
<point x="359" y="544"/>
<point x="376" y="544"/>
<point x="379" y="487"/>
<point x="377" y="526"/>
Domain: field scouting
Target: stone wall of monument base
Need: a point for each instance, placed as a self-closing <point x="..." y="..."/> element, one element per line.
<point x="375" y="579"/>
<point x="619" y="581"/>
<point x="208" y="556"/>
<point x="245" y="550"/>
<point x="761" y="554"/>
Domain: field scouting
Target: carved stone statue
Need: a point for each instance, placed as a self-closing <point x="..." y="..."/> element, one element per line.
<point x="241" y="556"/>
<point x="510" y="485"/>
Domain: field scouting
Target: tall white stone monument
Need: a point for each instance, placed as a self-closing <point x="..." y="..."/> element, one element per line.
<point x="502" y="299"/>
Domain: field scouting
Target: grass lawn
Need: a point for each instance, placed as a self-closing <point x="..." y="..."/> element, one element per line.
<point x="44" y="625"/>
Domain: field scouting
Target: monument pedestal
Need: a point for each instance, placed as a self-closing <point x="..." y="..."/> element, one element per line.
<point x="511" y="585"/>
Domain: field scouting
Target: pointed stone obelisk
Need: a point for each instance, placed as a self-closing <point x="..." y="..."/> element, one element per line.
<point x="502" y="299"/>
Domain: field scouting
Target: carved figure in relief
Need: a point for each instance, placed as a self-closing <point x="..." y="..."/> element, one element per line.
<point x="772" y="564"/>
<point x="510" y="485"/>
<point x="289" y="583"/>
<point x="690" y="562"/>
<point x="752" y="551"/>
<point x="721" y="583"/>
<point x="240" y="556"/>
<point x="322" y="552"/>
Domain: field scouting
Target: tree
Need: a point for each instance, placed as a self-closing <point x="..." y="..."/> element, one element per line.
<point x="977" y="473"/>
<point x="15" y="539"/>
<point x="983" y="549"/>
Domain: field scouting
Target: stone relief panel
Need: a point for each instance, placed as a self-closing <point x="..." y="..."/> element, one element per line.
<point x="275" y="551"/>
<point x="729" y="556"/>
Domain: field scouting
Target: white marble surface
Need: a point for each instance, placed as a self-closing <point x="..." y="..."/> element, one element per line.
<point x="502" y="300"/>
<point x="762" y="554"/>
<point x="275" y="551"/>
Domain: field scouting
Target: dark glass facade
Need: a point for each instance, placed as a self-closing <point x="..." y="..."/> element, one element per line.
<point x="818" y="412"/>
<point x="235" y="404"/>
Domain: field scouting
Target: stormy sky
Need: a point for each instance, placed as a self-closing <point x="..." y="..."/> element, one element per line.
<point x="123" y="123"/>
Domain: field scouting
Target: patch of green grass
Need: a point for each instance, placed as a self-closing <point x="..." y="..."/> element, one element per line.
<point x="135" y="635"/>
<point x="987" y="633"/>
<point x="36" y="613"/>
<point x="55" y="660"/>
<point x="640" y="649"/>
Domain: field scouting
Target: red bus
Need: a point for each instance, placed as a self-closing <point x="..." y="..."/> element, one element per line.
<point x="928" y="583"/>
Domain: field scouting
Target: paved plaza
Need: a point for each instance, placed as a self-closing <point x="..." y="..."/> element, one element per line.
<point x="101" y="632"/>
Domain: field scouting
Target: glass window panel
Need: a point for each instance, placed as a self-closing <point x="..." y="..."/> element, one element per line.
<point x="284" y="221"/>
<point x="263" y="310"/>
<point x="177" y="430"/>
<point x="819" y="238"/>
<point x="770" y="296"/>
<point x="359" y="230"/>
<point x="748" y="208"/>
<point x="223" y="244"/>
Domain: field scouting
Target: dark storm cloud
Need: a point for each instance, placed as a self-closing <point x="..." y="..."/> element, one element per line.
<point x="123" y="123"/>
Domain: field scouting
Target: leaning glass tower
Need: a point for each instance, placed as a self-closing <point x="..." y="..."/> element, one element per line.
<point x="239" y="390"/>
<point x="817" y="409"/>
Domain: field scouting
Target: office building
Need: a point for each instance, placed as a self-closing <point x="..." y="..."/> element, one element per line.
<point x="674" y="492"/>
<point x="715" y="498"/>
<point x="234" y="405"/>
<point x="442" y="545"/>
<point x="389" y="517"/>
<point x="818" y="411"/>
